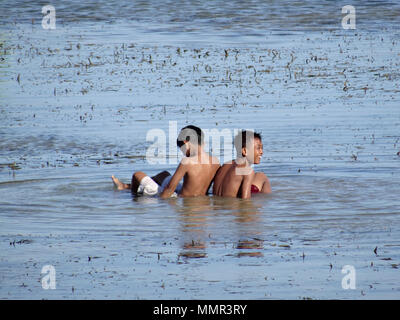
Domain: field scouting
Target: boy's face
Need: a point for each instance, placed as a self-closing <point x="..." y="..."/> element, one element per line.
<point x="255" y="151"/>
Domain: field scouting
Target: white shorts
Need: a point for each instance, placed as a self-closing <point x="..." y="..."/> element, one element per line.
<point x="148" y="187"/>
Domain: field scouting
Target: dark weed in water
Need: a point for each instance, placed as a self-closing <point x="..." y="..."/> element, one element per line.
<point x="23" y="241"/>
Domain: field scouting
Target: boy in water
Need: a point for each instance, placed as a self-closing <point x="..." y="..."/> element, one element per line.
<point x="237" y="178"/>
<point x="197" y="169"/>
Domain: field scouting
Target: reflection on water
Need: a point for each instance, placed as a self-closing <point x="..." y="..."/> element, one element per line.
<point x="198" y="216"/>
<point x="194" y="217"/>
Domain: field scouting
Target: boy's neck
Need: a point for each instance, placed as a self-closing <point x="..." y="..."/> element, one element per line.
<point x="243" y="162"/>
<point x="199" y="153"/>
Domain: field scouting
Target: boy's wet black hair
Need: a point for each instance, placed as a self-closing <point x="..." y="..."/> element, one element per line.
<point x="243" y="137"/>
<point x="190" y="131"/>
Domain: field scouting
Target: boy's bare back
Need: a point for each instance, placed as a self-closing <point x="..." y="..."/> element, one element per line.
<point x="197" y="176"/>
<point x="229" y="183"/>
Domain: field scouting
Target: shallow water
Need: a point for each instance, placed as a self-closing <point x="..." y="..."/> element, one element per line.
<point x="76" y="104"/>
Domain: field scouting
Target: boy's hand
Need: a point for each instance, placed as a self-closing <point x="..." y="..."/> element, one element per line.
<point x="246" y="185"/>
<point x="173" y="183"/>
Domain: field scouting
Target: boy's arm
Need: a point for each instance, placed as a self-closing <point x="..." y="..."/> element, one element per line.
<point x="214" y="190"/>
<point x="173" y="183"/>
<point x="246" y="185"/>
<point x="266" y="186"/>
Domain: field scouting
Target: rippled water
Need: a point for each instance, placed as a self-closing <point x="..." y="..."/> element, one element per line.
<point x="77" y="102"/>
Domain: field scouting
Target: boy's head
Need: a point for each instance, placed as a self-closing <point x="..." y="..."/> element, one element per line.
<point x="189" y="139"/>
<point x="248" y="145"/>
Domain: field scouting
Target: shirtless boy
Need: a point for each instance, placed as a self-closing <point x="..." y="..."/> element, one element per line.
<point x="197" y="169"/>
<point x="237" y="178"/>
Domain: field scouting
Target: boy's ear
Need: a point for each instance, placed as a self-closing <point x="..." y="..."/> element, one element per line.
<point x="188" y="147"/>
<point x="244" y="152"/>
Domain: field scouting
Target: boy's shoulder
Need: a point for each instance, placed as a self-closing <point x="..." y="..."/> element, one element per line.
<point x="207" y="159"/>
<point x="232" y="168"/>
<point x="228" y="163"/>
<point x="214" y="160"/>
<point x="186" y="161"/>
